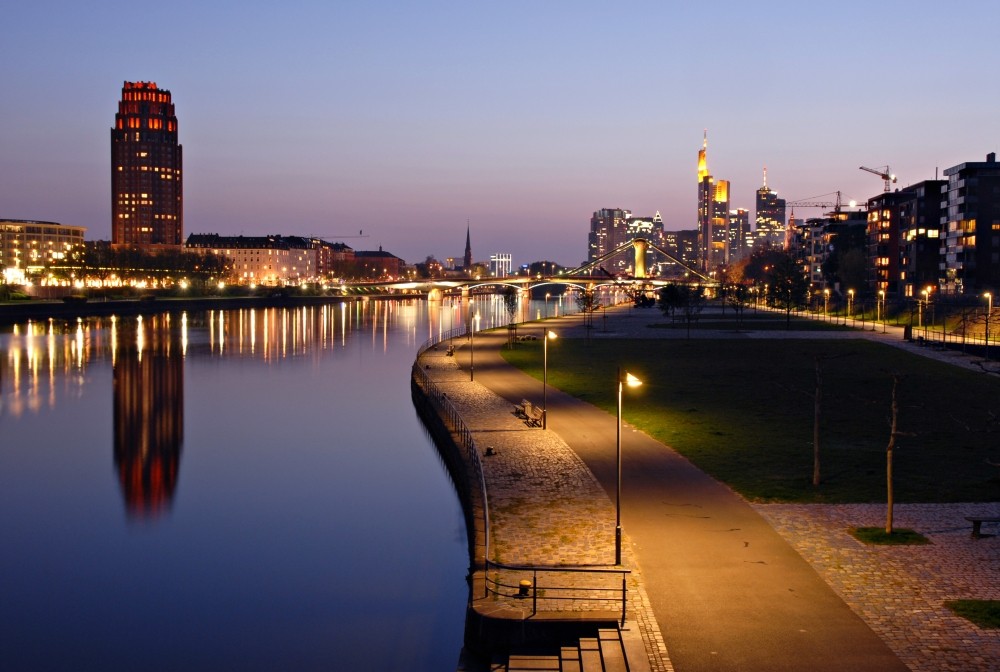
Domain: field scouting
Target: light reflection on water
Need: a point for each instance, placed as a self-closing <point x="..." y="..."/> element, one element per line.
<point x="241" y="489"/>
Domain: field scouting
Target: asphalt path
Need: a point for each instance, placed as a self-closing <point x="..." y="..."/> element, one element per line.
<point x="727" y="591"/>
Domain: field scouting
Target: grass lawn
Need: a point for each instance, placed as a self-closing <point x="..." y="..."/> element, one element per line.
<point x="901" y="536"/>
<point x="742" y="410"/>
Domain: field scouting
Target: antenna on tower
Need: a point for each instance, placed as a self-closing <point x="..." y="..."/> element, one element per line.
<point x="765" y="177"/>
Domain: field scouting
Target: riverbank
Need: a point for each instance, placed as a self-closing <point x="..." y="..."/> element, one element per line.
<point x="19" y="311"/>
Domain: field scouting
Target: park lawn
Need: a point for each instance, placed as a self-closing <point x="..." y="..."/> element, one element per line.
<point x="742" y="410"/>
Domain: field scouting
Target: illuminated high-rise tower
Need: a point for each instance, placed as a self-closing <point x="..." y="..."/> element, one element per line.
<point x="770" y="229"/>
<point x="147" y="203"/>
<point x="713" y="215"/>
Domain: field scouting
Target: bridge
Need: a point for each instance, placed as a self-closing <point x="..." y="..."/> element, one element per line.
<point x="586" y="278"/>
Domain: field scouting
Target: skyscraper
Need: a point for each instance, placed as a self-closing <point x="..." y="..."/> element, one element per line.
<point x="713" y="215"/>
<point x="770" y="220"/>
<point x="147" y="203"/>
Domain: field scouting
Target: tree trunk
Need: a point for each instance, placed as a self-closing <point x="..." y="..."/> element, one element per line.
<point x="818" y="400"/>
<point x="894" y="428"/>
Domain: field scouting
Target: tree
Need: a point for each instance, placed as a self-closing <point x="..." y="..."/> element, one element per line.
<point x="788" y="286"/>
<point x="894" y="433"/>
<point x="688" y="299"/>
<point x="510" y="300"/>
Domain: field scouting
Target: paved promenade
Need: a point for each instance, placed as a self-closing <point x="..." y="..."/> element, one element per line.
<point x="731" y="586"/>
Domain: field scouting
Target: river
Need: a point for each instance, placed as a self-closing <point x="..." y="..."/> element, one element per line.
<point x="239" y="490"/>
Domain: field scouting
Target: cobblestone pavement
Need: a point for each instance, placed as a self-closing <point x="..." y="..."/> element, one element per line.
<point x="900" y="590"/>
<point x="546" y="507"/>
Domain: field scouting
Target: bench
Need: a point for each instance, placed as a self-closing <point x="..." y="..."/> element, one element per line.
<point x="535" y="416"/>
<point x="521" y="410"/>
<point x="450" y="352"/>
<point x="977" y="522"/>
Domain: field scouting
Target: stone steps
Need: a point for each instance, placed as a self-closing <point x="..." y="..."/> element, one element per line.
<point x="604" y="653"/>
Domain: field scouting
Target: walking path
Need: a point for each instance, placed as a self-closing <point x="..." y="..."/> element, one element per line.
<point x="727" y="591"/>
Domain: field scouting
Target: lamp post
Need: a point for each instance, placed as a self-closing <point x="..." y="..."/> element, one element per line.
<point x="850" y="307"/>
<point x="545" y="375"/>
<point x="472" y="347"/>
<point x="881" y="308"/>
<point x="547" y="295"/>
<point x="826" y="305"/>
<point x="989" y="309"/>
<point x="920" y="308"/>
<point x="631" y="381"/>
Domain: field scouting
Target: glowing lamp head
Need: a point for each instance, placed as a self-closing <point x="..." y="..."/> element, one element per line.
<point x="551" y="335"/>
<point x="631" y="380"/>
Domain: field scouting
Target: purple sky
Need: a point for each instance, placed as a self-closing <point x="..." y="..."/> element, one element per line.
<point x="408" y="119"/>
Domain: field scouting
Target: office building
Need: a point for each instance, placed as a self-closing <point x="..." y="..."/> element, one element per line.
<point x="147" y="203"/>
<point x="770" y="217"/>
<point x="713" y="215"/>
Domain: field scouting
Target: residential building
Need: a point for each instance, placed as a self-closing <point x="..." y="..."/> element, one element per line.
<point x="970" y="247"/>
<point x="261" y="260"/>
<point x="29" y="247"/>
<point x="920" y="237"/>
<point x="379" y="264"/>
<point x="147" y="202"/>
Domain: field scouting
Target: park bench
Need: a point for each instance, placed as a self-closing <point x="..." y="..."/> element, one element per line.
<point x="535" y="416"/>
<point x="450" y="352"/>
<point x="521" y="410"/>
<point x="977" y="523"/>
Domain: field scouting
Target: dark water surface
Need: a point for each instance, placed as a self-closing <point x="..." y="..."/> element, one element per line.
<point x="244" y="490"/>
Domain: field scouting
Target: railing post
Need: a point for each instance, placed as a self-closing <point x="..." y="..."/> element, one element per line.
<point x="534" y="592"/>
<point x="624" y="599"/>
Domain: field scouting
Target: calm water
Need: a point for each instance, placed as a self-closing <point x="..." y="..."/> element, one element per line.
<point x="244" y="490"/>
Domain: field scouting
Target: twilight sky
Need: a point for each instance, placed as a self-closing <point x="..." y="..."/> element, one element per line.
<point x="405" y="120"/>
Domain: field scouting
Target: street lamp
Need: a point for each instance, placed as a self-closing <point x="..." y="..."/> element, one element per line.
<point x="631" y="381"/>
<point x="989" y="309"/>
<point x="920" y="309"/>
<point x="547" y="295"/>
<point x="826" y="304"/>
<point x="545" y="374"/>
<point x="850" y="306"/>
<point x="881" y="308"/>
<point x="472" y="347"/>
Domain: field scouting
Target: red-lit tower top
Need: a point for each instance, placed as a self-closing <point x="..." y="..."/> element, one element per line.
<point x="146" y="181"/>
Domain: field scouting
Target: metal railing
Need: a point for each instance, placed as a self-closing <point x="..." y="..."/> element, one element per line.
<point x="599" y="588"/>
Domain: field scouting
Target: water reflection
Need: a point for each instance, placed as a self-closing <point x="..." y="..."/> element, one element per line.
<point x="148" y="391"/>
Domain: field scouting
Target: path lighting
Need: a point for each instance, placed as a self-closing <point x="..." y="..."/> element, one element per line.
<point x="631" y="381"/>
<point x="826" y="304"/>
<point x="881" y="308"/>
<point x="920" y="308"/>
<point x="549" y="335"/>
<point x="547" y="295"/>
<point x="850" y="305"/>
<point x="472" y="347"/>
<point x="989" y="309"/>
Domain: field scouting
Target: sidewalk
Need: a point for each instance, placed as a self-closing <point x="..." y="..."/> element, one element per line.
<point x="725" y="588"/>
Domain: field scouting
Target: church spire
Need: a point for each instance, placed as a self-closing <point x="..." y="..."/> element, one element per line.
<point x="467" y="262"/>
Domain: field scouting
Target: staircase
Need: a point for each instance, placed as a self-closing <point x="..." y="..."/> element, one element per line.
<point x="604" y="653"/>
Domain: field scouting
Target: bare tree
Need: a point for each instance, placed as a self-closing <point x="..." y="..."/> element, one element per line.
<point x="894" y="433"/>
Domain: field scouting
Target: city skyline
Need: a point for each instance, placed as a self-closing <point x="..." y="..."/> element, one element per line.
<point x="522" y="120"/>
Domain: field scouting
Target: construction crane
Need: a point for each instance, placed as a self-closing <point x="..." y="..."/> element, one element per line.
<point x="812" y="203"/>
<point x="884" y="173"/>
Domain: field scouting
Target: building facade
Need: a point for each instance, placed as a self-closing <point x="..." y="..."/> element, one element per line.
<point x="500" y="265"/>
<point x="741" y="237"/>
<point x="769" y="223"/>
<point x="920" y="237"/>
<point x="608" y="231"/>
<point x="28" y="247"/>
<point x="713" y="215"/>
<point x="147" y="199"/>
<point x="970" y="248"/>
<point x="261" y="260"/>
